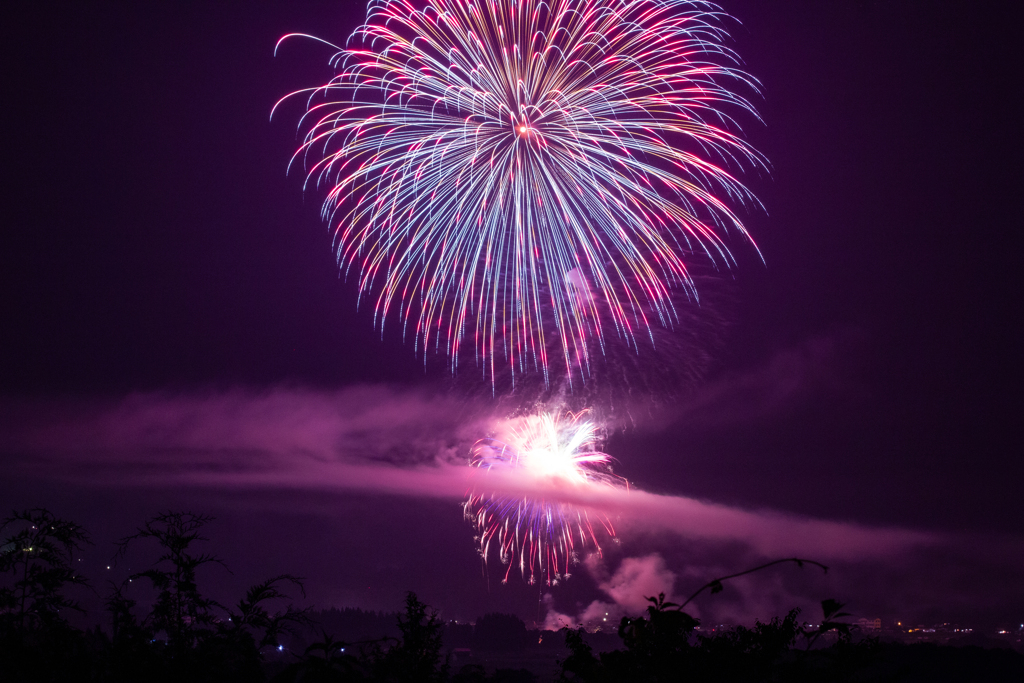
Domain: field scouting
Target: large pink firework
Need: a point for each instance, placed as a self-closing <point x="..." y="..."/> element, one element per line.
<point x="526" y="178"/>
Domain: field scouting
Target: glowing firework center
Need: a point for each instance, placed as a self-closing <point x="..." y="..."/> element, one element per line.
<point x="542" y="535"/>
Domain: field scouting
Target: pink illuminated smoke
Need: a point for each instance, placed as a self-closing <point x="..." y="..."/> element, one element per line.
<point x="543" y="536"/>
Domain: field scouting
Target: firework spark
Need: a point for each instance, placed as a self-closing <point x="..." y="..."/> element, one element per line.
<point x="543" y="537"/>
<point x="526" y="178"/>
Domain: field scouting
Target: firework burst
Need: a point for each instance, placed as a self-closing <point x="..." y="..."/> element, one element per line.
<point x="526" y="178"/>
<point x="543" y="537"/>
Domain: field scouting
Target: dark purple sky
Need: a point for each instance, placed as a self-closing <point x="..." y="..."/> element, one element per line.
<point x="870" y="372"/>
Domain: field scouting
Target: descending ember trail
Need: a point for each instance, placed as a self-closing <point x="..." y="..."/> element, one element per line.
<point x="542" y="537"/>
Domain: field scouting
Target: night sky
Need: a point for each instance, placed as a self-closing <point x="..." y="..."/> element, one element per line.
<point x="170" y="303"/>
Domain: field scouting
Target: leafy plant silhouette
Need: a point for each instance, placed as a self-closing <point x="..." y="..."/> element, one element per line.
<point x="831" y="610"/>
<point x="180" y="610"/>
<point x="664" y="645"/>
<point x="414" y="657"/>
<point x="202" y="639"/>
<point x="39" y="558"/>
<point x="40" y="555"/>
<point x="254" y="622"/>
<point x="186" y="636"/>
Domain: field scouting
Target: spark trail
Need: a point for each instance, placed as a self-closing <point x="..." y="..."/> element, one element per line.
<point x="543" y="537"/>
<point x="522" y="180"/>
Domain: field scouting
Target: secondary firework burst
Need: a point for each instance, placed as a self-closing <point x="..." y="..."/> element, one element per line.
<point x="518" y="180"/>
<point x="540" y="534"/>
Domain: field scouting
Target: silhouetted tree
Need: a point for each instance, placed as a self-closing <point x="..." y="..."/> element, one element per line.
<point x="743" y="654"/>
<point x="664" y="645"/>
<point x="326" y="661"/>
<point x="656" y="648"/>
<point x="199" y="644"/>
<point x="40" y="558"/>
<point x="189" y="637"/>
<point x="234" y="651"/>
<point x="37" y="563"/>
<point x="254" y="620"/>
<point x="416" y="656"/>
<point x="132" y="653"/>
<point x="180" y="610"/>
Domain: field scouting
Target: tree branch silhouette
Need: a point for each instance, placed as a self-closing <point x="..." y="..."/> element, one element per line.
<point x="716" y="584"/>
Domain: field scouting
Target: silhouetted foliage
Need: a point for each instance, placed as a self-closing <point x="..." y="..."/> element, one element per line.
<point x="831" y="610"/>
<point x="327" y="661"/>
<point x="38" y="561"/>
<point x="254" y="622"/>
<point x="414" y="656"/>
<point x="132" y="651"/>
<point x="183" y="635"/>
<point x="665" y="645"/>
<point x="180" y="611"/>
<point x="40" y="555"/>
<point x="655" y="647"/>
<point x="417" y="655"/>
<point x="235" y="650"/>
<point x="192" y="636"/>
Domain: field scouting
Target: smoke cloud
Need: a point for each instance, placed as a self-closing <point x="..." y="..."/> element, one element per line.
<point x="636" y="579"/>
<point x="375" y="440"/>
<point x="382" y="441"/>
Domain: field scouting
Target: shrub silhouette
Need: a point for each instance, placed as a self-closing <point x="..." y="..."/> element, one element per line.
<point x="417" y="655"/>
<point x="39" y="558"/>
<point x="202" y="640"/>
<point x="187" y="636"/>
<point x="40" y="555"/>
<point x="327" y="661"/>
<point x="664" y="645"/>
<point x="411" y="658"/>
<point x="180" y="611"/>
